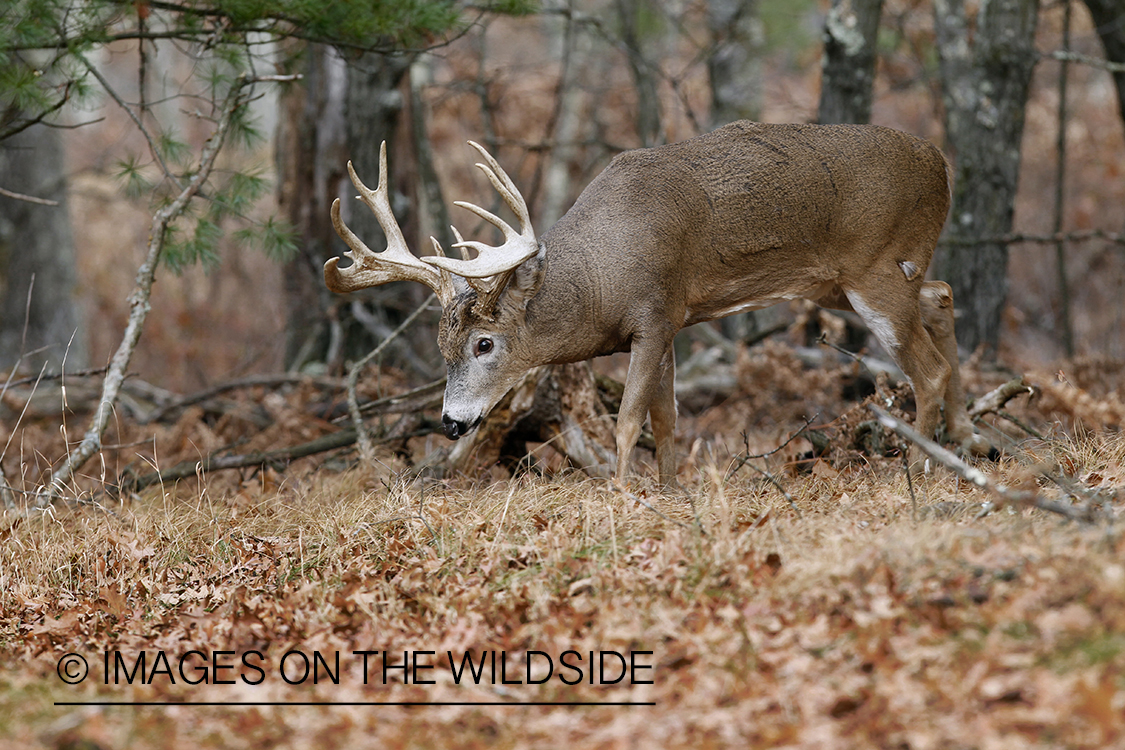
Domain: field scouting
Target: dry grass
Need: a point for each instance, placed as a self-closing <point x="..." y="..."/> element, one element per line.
<point x="852" y="624"/>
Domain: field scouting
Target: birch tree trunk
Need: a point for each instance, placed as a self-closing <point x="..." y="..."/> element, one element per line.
<point x="985" y="78"/>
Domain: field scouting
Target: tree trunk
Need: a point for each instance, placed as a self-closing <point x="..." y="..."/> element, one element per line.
<point x="735" y="66"/>
<point x="310" y="165"/>
<point x="1109" y="21"/>
<point x="847" y="83"/>
<point x="633" y="16"/>
<point x="39" y="315"/>
<point x="985" y="82"/>
<point x="734" y="71"/>
<point x="343" y="111"/>
<point x="570" y="118"/>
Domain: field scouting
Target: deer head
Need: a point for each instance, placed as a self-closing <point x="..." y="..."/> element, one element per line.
<point x="482" y="298"/>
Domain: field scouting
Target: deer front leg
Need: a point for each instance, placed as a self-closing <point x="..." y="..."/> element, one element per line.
<point x="648" y="385"/>
<point x="937" y="316"/>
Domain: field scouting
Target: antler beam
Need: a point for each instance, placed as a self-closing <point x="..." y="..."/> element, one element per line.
<point x="396" y="263"/>
<point x="489" y="272"/>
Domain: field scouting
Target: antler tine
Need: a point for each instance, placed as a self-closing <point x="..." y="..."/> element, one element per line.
<point x="369" y="268"/>
<point x="504" y="185"/>
<point x="517" y="247"/>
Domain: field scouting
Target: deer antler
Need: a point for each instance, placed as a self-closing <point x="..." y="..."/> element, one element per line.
<point x="396" y="263"/>
<point x="489" y="272"/>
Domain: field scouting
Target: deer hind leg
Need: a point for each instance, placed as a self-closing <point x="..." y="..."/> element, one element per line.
<point x="891" y="309"/>
<point x="648" y="385"/>
<point x="662" y="411"/>
<point x="937" y="316"/>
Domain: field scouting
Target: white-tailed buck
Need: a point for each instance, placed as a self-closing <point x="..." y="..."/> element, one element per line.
<point x="738" y="219"/>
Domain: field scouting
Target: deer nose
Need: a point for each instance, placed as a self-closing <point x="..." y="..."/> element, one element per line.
<point x="453" y="429"/>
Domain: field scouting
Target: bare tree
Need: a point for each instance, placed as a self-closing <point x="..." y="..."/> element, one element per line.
<point x="985" y="73"/>
<point x="39" y="316"/>
<point x="636" y="18"/>
<point x="735" y="64"/>
<point x="343" y="111"/>
<point x="847" y="85"/>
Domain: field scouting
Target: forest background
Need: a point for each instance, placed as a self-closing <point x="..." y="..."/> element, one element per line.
<point x="107" y="113"/>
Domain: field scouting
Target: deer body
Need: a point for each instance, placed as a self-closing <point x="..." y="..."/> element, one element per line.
<point x="737" y="219"/>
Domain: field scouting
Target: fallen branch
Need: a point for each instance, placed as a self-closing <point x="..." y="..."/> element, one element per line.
<point x="993" y="401"/>
<point x="278" y="458"/>
<point x="253" y="381"/>
<point x="423" y="397"/>
<point x="974" y="476"/>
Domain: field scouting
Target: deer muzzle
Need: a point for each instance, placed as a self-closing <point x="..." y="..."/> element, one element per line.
<point x="454" y="429"/>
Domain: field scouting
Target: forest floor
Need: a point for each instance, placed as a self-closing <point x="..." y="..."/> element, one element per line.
<point x="278" y="607"/>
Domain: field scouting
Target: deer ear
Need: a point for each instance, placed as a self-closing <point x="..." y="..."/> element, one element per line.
<point x="526" y="279"/>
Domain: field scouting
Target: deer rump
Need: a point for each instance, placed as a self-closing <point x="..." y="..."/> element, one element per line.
<point x="737" y="219"/>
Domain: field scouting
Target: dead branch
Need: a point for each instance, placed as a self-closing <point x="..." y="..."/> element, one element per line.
<point x="254" y="381"/>
<point x="774" y="481"/>
<point x="279" y="458"/>
<point x="423" y="397"/>
<point x="976" y="477"/>
<point x="57" y="376"/>
<point x="993" y="401"/>
<point x="27" y="198"/>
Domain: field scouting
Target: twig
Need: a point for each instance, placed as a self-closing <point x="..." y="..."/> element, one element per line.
<point x="743" y="459"/>
<point x="365" y="446"/>
<point x="630" y="496"/>
<point x="860" y="360"/>
<point x="58" y="376"/>
<point x="141" y="127"/>
<point x="1042" y="239"/>
<point x="1096" y="62"/>
<point x="910" y="486"/>
<point x="422" y="397"/>
<point x="774" y="481"/>
<point x="1005" y="495"/>
<point x="139" y="299"/>
<point x="28" y="198"/>
<point x="1019" y="423"/>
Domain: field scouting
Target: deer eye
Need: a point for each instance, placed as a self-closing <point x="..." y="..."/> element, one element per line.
<point x="483" y="346"/>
